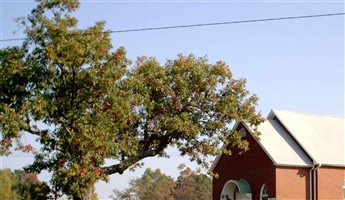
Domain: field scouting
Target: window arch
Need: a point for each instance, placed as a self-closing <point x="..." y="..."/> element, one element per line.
<point x="243" y="132"/>
<point x="236" y="189"/>
<point x="264" y="192"/>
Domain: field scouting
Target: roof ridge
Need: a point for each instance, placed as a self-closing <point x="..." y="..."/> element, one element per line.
<point x="304" y="113"/>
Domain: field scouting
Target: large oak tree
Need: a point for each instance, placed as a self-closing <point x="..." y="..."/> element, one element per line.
<point x="85" y="102"/>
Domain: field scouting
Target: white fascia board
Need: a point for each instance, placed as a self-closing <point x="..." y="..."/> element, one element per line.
<point x="293" y="165"/>
<point x="330" y="165"/>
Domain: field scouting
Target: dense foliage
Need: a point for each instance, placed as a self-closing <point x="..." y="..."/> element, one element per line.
<point x="79" y="97"/>
<point x="7" y="183"/>
<point x="192" y="185"/>
<point x="22" y="186"/>
<point x="154" y="185"/>
<point x="151" y="185"/>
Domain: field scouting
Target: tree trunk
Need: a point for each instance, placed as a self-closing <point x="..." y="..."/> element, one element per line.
<point x="88" y="194"/>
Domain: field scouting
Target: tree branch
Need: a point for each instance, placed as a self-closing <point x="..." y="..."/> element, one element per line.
<point x="145" y="152"/>
<point x="125" y="164"/>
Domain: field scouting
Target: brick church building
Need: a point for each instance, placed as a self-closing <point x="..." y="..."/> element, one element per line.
<point x="297" y="156"/>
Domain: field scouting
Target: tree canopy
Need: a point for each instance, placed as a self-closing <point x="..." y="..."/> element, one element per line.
<point x="22" y="186"/>
<point x="155" y="185"/>
<point x="7" y="183"/>
<point x="86" y="102"/>
<point x="193" y="185"/>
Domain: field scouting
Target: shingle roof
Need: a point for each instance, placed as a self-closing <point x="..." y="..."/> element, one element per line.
<point x="322" y="137"/>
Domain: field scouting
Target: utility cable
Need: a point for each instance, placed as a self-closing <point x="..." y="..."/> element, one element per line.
<point x="225" y="23"/>
<point x="208" y="24"/>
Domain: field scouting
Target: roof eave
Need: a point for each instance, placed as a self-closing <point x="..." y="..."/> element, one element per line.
<point x="293" y="165"/>
<point x="330" y="165"/>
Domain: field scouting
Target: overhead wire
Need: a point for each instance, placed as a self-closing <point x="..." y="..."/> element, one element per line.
<point x="204" y="24"/>
<point x="225" y="23"/>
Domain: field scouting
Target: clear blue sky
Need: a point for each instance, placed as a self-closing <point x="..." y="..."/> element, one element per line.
<point x="294" y="65"/>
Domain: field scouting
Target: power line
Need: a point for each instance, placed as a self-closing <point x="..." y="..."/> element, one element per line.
<point x="208" y="24"/>
<point x="13" y="39"/>
<point x="225" y="23"/>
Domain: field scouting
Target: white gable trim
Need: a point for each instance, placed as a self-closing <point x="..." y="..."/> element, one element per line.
<point x="215" y="162"/>
<point x="251" y="131"/>
<point x="271" y="116"/>
<point x="275" y="163"/>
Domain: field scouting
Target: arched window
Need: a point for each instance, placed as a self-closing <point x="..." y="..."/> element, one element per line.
<point x="263" y="192"/>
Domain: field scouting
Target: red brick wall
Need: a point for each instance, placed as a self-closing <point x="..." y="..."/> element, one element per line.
<point x="292" y="183"/>
<point x="254" y="166"/>
<point x="330" y="181"/>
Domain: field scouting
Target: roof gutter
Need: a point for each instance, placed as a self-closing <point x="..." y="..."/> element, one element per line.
<point x="292" y="165"/>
